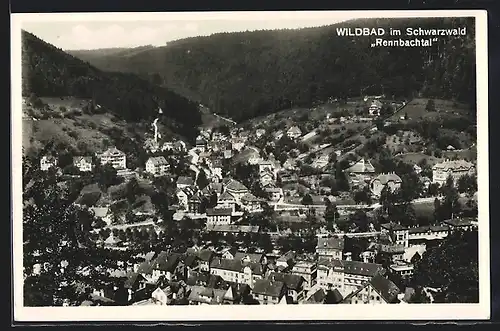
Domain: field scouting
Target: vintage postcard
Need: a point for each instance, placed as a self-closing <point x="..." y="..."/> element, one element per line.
<point x="250" y="166"/>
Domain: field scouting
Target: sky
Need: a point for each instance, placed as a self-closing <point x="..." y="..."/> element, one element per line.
<point x="73" y="31"/>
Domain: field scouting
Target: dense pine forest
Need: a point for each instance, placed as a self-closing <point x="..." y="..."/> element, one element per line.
<point x="50" y="72"/>
<point x="243" y="75"/>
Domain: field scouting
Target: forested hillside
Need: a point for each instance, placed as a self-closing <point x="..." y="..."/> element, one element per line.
<point x="50" y="72"/>
<point x="243" y="75"/>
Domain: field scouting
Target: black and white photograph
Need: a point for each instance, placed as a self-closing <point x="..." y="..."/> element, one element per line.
<point x="248" y="165"/>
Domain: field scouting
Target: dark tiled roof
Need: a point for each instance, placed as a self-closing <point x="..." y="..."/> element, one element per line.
<point x="253" y="257"/>
<point x="268" y="287"/>
<point x="292" y="282"/>
<point x="237" y="265"/>
<point x="457" y="222"/>
<point x="166" y="261"/>
<point x="183" y="180"/>
<point x="362" y="268"/>
<point x="219" y="211"/>
<point x="205" y="255"/>
<point x="429" y="228"/>
<point x="393" y="226"/>
<point x="234" y="185"/>
<point x="317" y="297"/>
<point x="385" y="287"/>
<point x="331" y="243"/>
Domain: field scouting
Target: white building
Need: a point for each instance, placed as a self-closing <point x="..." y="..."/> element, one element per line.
<point x="455" y="169"/>
<point x="157" y="165"/>
<point x="47" y="161"/>
<point x="115" y="157"/>
<point x="294" y="132"/>
<point x="218" y="216"/>
<point x="83" y="163"/>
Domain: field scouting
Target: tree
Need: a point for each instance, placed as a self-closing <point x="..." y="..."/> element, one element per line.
<point x="132" y="190"/>
<point x="307" y="200"/>
<point x="360" y="219"/>
<point x="331" y="214"/>
<point x="106" y="176"/>
<point x="362" y="196"/>
<point x="452" y="267"/>
<point x="467" y="184"/>
<point x="430" y="106"/>
<point x="55" y="235"/>
<point x="202" y="180"/>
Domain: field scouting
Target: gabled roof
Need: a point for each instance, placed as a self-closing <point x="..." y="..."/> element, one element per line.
<point x="317" y="297"/>
<point x="292" y="282"/>
<point x="456" y="165"/>
<point x="331" y="243"/>
<point x="386" y="178"/>
<point x="393" y="227"/>
<point x="132" y="278"/>
<point x="362" y="268"/>
<point x="294" y="129"/>
<point x="157" y="160"/>
<point x="205" y="255"/>
<point x="386" y="288"/>
<point x="78" y="159"/>
<point x="113" y="151"/>
<point x="249" y="197"/>
<point x="268" y="287"/>
<point x="234" y="185"/>
<point x="253" y="257"/>
<point x="219" y="211"/>
<point x="184" y="180"/>
<point x="237" y="265"/>
<point x="428" y="228"/>
<point x="166" y="261"/>
<point x="362" y="166"/>
<point x="226" y="196"/>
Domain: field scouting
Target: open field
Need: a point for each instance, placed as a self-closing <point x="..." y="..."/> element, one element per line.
<point x="84" y="128"/>
<point x="414" y="158"/>
<point x="416" y="109"/>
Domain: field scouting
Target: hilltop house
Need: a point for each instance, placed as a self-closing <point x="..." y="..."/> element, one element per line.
<point x="391" y="180"/>
<point x="83" y="163"/>
<point x="375" y="107"/>
<point x="294" y="132"/>
<point x="259" y="133"/>
<point x="157" y="165"/>
<point x="115" y="157"/>
<point x="47" y="161"/>
<point x="455" y="169"/>
<point x="377" y="290"/>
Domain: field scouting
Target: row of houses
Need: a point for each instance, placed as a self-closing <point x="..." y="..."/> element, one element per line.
<point x="363" y="173"/>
